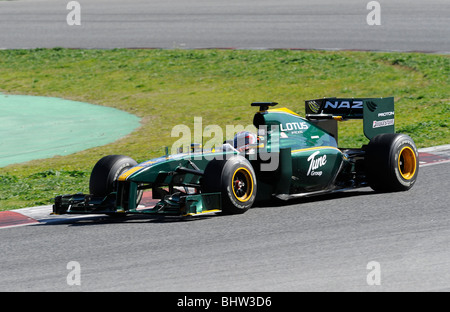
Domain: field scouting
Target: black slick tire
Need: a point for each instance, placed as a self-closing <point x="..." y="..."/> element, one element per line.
<point x="106" y="172"/>
<point x="391" y="162"/>
<point x="235" y="179"/>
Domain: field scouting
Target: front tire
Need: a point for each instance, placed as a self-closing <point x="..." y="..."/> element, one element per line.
<point x="105" y="173"/>
<point x="235" y="179"/>
<point x="392" y="162"/>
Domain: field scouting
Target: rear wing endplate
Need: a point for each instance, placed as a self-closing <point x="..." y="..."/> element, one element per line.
<point x="377" y="113"/>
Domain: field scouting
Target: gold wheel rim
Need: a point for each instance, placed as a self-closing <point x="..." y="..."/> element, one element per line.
<point x="407" y="163"/>
<point x="242" y="184"/>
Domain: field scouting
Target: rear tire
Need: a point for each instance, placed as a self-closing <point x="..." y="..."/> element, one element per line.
<point x="392" y="162"/>
<point x="235" y="179"/>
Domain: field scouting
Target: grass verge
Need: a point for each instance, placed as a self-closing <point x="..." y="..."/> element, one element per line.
<point x="170" y="87"/>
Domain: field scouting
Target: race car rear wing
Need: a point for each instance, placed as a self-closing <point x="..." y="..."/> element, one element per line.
<point x="377" y="113"/>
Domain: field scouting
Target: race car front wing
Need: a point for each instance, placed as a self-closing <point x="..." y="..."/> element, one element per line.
<point x="177" y="204"/>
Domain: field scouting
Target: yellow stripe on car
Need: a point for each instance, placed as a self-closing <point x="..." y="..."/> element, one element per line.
<point x="124" y="176"/>
<point x="314" y="148"/>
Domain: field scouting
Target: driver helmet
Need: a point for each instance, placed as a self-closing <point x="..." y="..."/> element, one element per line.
<point x="244" y="140"/>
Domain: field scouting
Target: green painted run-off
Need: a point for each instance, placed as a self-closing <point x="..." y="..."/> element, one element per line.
<point x="34" y="127"/>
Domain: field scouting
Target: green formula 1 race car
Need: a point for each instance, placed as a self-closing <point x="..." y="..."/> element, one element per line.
<point x="289" y="157"/>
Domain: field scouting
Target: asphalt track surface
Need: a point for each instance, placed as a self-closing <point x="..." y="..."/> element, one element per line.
<point x="406" y="25"/>
<point x="322" y="244"/>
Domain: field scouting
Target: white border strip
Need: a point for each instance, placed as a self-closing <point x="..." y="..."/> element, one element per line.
<point x="438" y="148"/>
